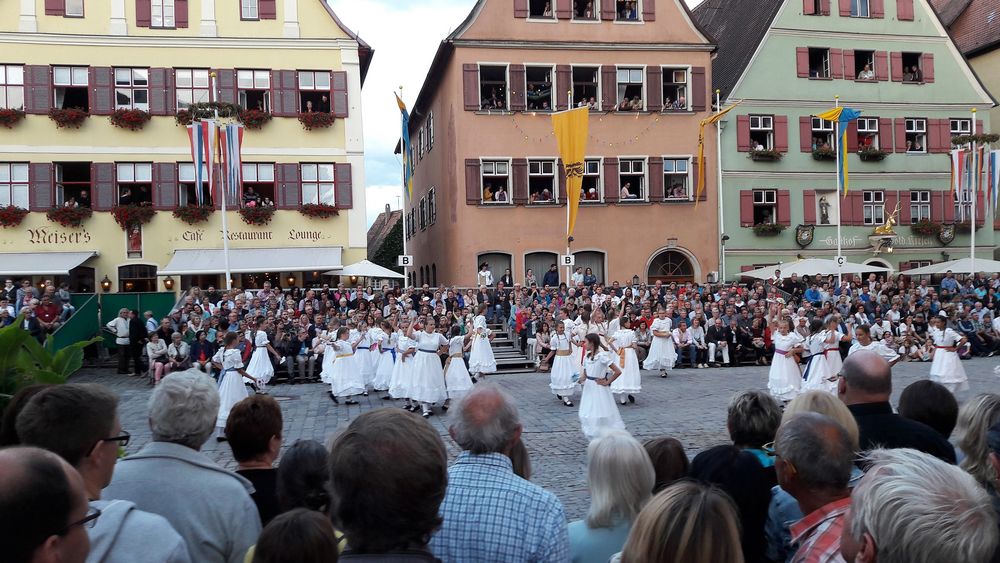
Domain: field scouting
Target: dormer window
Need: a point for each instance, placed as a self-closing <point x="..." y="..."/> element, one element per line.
<point x="540" y="9"/>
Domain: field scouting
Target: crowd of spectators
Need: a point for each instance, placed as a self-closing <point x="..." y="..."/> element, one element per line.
<point x="44" y="308"/>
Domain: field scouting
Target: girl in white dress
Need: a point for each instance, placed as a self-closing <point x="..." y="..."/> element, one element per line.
<point x="661" y="352"/>
<point x="324" y="339"/>
<point x="598" y="410"/>
<point x="365" y="359"/>
<point x="561" y="378"/>
<point x="831" y="343"/>
<point x="402" y="370"/>
<point x="386" y="339"/>
<point x="818" y="374"/>
<point x="260" y="367"/>
<point x="863" y="341"/>
<point x="623" y="343"/>
<point x="428" y="376"/>
<point x="569" y="328"/>
<point x="229" y="363"/>
<point x="345" y="377"/>
<point x="946" y="367"/>
<point x="456" y="376"/>
<point x="785" y="379"/>
<point x="481" y="359"/>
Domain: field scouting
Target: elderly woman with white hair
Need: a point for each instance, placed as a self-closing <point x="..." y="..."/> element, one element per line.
<point x="620" y="477"/>
<point x="209" y="506"/>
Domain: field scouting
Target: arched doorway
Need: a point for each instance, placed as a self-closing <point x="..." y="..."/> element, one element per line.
<point x="594" y="260"/>
<point x="498" y="262"/>
<point x="539" y="263"/>
<point x="879" y="263"/>
<point x="670" y="266"/>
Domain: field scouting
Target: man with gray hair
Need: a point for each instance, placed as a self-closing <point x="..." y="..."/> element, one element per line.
<point x="913" y="508"/>
<point x="813" y="459"/>
<point x="210" y="507"/>
<point x="491" y="514"/>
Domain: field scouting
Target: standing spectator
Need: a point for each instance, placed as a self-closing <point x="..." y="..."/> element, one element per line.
<point x="119" y="326"/>
<point x="137" y="336"/>
<point x="43" y="508"/>
<point x="303" y="477"/>
<point x="485" y="276"/>
<point x="210" y="507"/>
<point x="79" y="423"/>
<point x="254" y="430"/>
<point x="551" y="277"/>
<point x="930" y="403"/>
<point x="620" y="478"/>
<point x="490" y="514"/>
<point x="387" y="497"/>
<point x="911" y="507"/>
<point x="301" y="535"/>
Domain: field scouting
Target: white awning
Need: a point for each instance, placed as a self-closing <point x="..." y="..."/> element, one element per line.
<point x="197" y="261"/>
<point x="42" y="263"/>
<point x="366" y="269"/>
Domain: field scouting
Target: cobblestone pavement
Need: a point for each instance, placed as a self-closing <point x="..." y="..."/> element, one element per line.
<point x="689" y="405"/>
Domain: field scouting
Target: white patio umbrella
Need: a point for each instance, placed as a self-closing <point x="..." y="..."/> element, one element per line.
<point x="960" y="266"/>
<point x="812" y="267"/>
<point x="365" y="269"/>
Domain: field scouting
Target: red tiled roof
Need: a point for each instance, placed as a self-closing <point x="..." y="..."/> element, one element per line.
<point x="974" y="24"/>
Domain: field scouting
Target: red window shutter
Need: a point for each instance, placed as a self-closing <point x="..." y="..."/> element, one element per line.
<point x="937" y="205"/>
<point x="611" y="187"/>
<point x="900" y="134"/>
<point x="903" y="266"/>
<point x="609" y="87"/>
<point x="181" y="13"/>
<point x="698" y="87"/>
<point x="165" y="194"/>
<point x="805" y="133"/>
<point x="285" y="83"/>
<point x="470" y="83"/>
<point x="746" y="208"/>
<point x="846" y="213"/>
<point x="885" y="134"/>
<point x="824" y="6"/>
<point x="897" y="66"/>
<point x="980" y="209"/>
<point x="267" y="9"/>
<point x="837" y="63"/>
<point x="743" y="133"/>
<point x="159" y="104"/>
<point x="802" y="62"/>
<point x="102" y="98"/>
<point x="858" y="208"/>
<point x="37" y="89"/>
<point x="564" y="79"/>
<point x="41" y="192"/>
<point x="891" y="199"/>
<point x="948" y="201"/>
<point x="784" y="207"/>
<point x="143" y="13"/>
<point x="877" y="9"/>
<point x="517" y="88"/>
<point x="849" y="64"/>
<point x="225" y="81"/>
<point x="519" y="177"/>
<point x="808" y="7"/>
<point x="561" y="197"/>
<point x="277" y="94"/>
<point x="473" y="182"/>
<point x="338" y="93"/>
<point x="655" y="178"/>
<point x="55" y="7"/>
<point x="520" y="8"/>
<point x="904" y="207"/>
<point x="654" y="81"/>
<point x="289" y="189"/>
<point x="979" y="129"/>
<point x="940" y="135"/>
<point x="649" y="10"/>
<point x="881" y="65"/>
<point x="852" y="136"/>
<point x="608" y="10"/>
<point x="904" y="10"/>
<point x="343" y="185"/>
<point x="781" y="133"/>
<point x="809" y="207"/>
<point x="845" y="8"/>
<point x="927" y="66"/>
<point x="564" y="9"/>
<point x="103" y="195"/>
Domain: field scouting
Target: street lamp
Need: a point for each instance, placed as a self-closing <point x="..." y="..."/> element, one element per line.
<point x="169" y="283"/>
<point x="291" y="281"/>
<point x="106" y="284"/>
<point x="635" y="280"/>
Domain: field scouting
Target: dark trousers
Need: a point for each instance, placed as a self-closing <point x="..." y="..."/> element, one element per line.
<point x="691" y="351"/>
<point x="136" y="349"/>
<point x="124" y="353"/>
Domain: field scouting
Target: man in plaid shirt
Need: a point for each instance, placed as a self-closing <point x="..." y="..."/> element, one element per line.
<point x="813" y="459"/>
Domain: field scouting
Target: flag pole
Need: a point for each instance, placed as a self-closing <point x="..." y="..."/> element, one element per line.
<point x="974" y="188"/>
<point x="402" y="208"/>
<point x="836" y="132"/>
<point x="222" y="192"/>
<point x="718" y="185"/>
<point x="569" y="239"/>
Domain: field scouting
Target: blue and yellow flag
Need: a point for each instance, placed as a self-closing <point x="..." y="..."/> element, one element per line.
<point x="405" y="147"/>
<point x="843" y="116"/>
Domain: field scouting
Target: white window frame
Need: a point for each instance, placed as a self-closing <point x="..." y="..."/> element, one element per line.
<point x="485" y="162"/>
<point x="858" y="12"/>
<point x="506" y="90"/>
<point x="572" y="83"/>
<point x="767" y="197"/>
<point x="687" y="84"/>
<point x="185" y="175"/>
<point x="257" y="77"/>
<point x="249" y="10"/>
<point x="962" y="200"/>
<point x="920" y="205"/>
<point x="864" y="126"/>
<point x="960" y="126"/>
<point x="11" y="79"/>
<point x="431" y="206"/>
<point x="595" y="14"/>
<point x="14" y="186"/>
<point x="76" y="80"/>
<point x="195" y="75"/>
<point x="599" y="163"/>
<point x="74" y="9"/>
<point x="638" y="13"/>
<point x="873" y="207"/>
<point x="543" y="19"/>
<point x="422" y="216"/>
<point x="430" y="131"/>
<point x="675" y="160"/>
<point x="764" y="123"/>
<point x="916" y="126"/>
<point x="632" y="160"/>
<point x="826" y="70"/>
<point x="162" y="14"/>
<point x="135" y="174"/>
<point x="645" y="87"/>
<point x="252" y="174"/>
<point x="553" y="100"/>
<point x="317" y="184"/>
<point x="536" y="169"/>
<point x="420" y="143"/>
<point x="132" y="87"/>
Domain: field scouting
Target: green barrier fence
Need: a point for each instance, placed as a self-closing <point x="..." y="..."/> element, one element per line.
<point x="159" y="303"/>
<point x="82" y="325"/>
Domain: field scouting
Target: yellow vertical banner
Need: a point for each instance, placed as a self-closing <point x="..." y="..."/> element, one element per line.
<point x="571" y="130"/>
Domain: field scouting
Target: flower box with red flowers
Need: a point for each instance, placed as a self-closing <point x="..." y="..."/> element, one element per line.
<point x="254" y="118"/>
<point x="131" y="119"/>
<point x="10" y="117"/>
<point x="206" y="110"/>
<point x="925" y="227"/>
<point x="316" y="120"/>
<point x="254" y="214"/>
<point x="130" y="215"/>
<point x="11" y="216"/>
<point x="69" y="216"/>
<point x="319" y="210"/>
<point x="193" y="214"/>
<point x="69" y="117"/>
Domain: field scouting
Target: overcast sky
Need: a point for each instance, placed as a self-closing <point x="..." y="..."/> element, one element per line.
<point x="405" y="35"/>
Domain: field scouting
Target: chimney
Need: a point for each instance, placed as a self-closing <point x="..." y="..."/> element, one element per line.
<point x="387" y="210"/>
